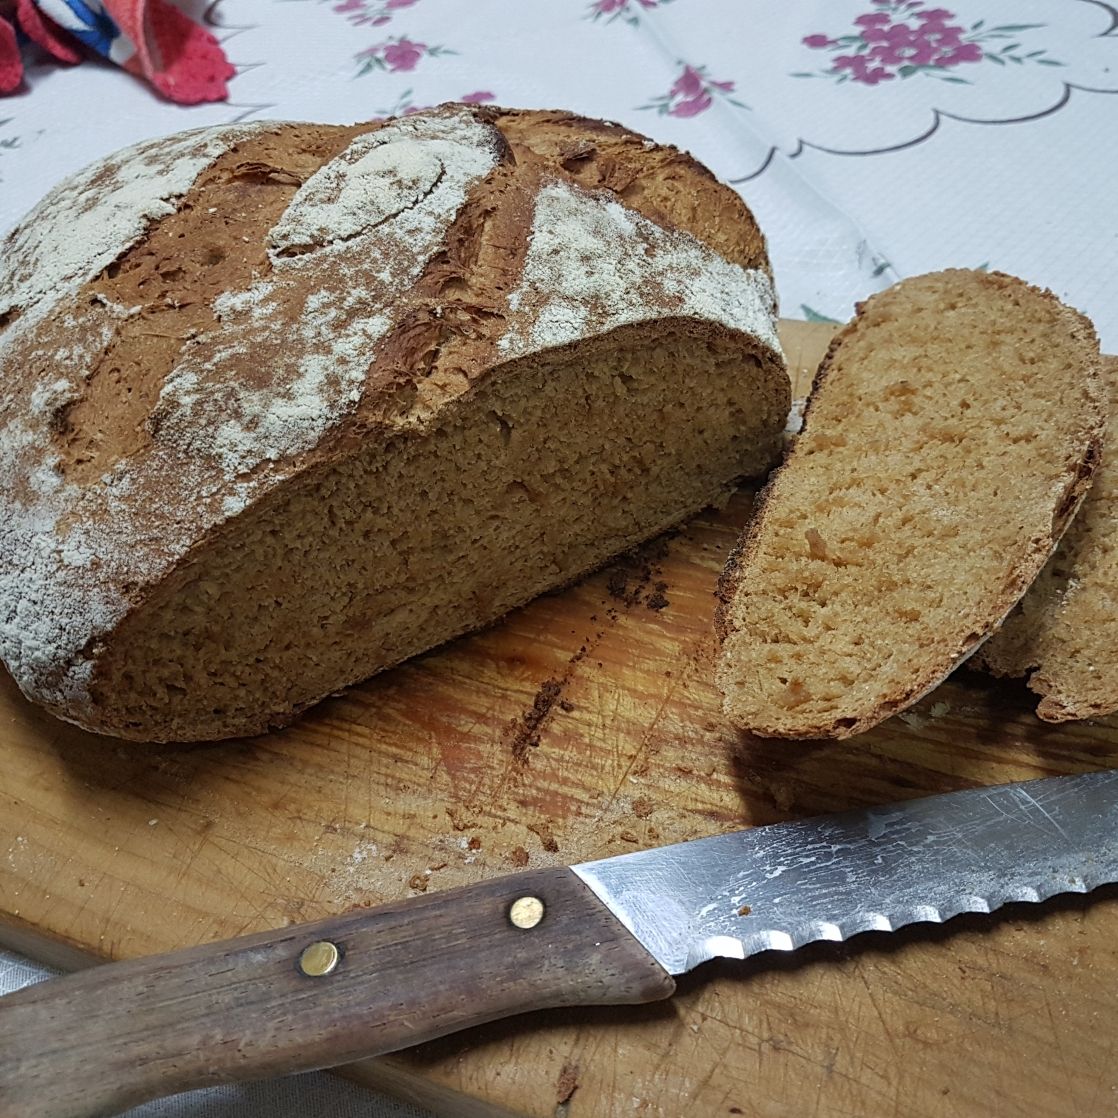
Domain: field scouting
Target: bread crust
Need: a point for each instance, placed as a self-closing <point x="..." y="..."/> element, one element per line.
<point x="154" y="372"/>
<point x="930" y="675"/>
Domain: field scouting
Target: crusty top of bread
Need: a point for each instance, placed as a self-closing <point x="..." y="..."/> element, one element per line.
<point x="188" y="324"/>
<point x="1063" y="633"/>
<point x="951" y="434"/>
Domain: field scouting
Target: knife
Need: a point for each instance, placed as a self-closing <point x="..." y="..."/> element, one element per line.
<point x="613" y="931"/>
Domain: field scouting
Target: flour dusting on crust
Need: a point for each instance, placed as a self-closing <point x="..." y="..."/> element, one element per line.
<point x="89" y="220"/>
<point x="57" y="562"/>
<point x="593" y="265"/>
<point x="219" y="438"/>
<point x="386" y="201"/>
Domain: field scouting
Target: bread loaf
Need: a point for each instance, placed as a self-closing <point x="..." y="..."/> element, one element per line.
<point x="950" y="436"/>
<point x="286" y="404"/>
<point x="1063" y="634"/>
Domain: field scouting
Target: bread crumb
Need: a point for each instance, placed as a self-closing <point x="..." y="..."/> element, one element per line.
<point x="526" y="729"/>
<point x="567" y="1084"/>
<point x="547" y="839"/>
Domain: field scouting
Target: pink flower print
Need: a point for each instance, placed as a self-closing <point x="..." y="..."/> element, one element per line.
<point x="944" y="37"/>
<point x="888" y="55"/>
<point x="628" y="10"/>
<point x="396" y="55"/>
<point x="692" y="106"/>
<point x="692" y="93"/>
<point x="689" y="83"/>
<point x="479" y="97"/>
<point x="902" y="38"/>
<point x="872" y="77"/>
<point x="403" y="54"/>
<point x="968" y="52"/>
<point x="861" y="71"/>
<point x="371" y="13"/>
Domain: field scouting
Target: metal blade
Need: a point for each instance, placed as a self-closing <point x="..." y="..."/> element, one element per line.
<point x="782" y="886"/>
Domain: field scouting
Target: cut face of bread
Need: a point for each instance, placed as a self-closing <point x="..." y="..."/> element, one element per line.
<point x="950" y="436"/>
<point x="312" y="400"/>
<point x="1063" y="634"/>
<point x="401" y="546"/>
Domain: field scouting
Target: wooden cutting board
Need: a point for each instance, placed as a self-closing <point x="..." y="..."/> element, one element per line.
<point x="584" y="725"/>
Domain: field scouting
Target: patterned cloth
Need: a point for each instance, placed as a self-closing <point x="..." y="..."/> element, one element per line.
<point x="148" y="38"/>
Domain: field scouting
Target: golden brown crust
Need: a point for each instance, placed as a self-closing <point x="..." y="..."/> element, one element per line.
<point x="1081" y="335"/>
<point x="665" y="184"/>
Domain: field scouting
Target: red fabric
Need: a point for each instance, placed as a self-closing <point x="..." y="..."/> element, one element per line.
<point x="182" y="60"/>
<point x="46" y="33"/>
<point x="11" y="66"/>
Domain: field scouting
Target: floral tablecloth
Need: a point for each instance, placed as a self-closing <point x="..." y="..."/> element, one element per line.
<point x="874" y="139"/>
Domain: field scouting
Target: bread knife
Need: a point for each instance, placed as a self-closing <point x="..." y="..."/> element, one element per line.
<point x="613" y="931"/>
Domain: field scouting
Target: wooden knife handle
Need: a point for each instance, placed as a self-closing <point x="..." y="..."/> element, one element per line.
<point x="116" y="1035"/>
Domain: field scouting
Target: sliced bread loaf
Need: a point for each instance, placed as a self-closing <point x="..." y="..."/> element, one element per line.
<point x="282" y="405"/>
<point x="950" y="436"/>
<point x="1063" y="634"/>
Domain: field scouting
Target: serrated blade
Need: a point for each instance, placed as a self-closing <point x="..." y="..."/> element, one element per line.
<point x="781" y="886"/>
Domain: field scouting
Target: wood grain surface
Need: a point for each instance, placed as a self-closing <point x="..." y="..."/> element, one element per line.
<point x="587" y="724"/>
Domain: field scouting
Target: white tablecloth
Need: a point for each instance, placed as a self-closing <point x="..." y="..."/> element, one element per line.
<point x="874" y="139"/>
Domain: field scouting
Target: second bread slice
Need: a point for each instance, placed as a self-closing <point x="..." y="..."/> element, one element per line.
<point x="950" y="437"/>
<point x="1063" y="634"/>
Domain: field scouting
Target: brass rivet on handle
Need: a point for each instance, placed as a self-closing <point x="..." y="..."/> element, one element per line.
<point x="319" y="958"/>
<point x="526" y="912"/>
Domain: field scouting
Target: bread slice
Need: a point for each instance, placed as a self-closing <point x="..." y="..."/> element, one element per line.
<point x="283" y="405"/>
<point x="950" y="436"/>
<point x="1063" y="634"/>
